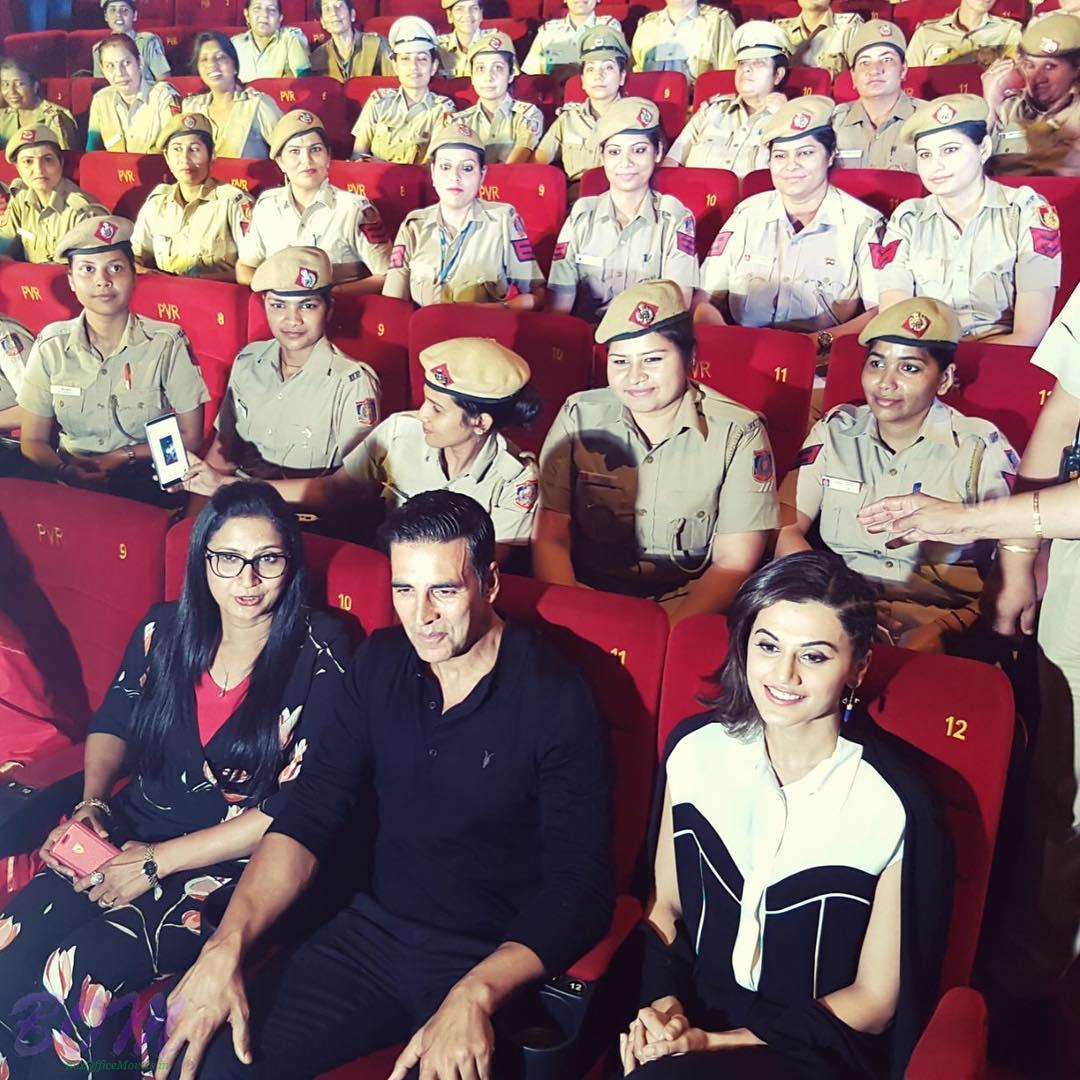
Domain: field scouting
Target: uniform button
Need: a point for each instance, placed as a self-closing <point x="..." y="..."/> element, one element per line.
<point x="642" y="512"/>
<point x="431" y="704"/>
<point x="433" y="752"/>
<point x="700" y="514"/>
<point x="892" y="472"/>
<point x="888" y="564"/>
<point x="648" y="460"/>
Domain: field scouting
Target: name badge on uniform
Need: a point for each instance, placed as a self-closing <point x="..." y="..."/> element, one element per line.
<point x="25" y="233"/>
<point x="852" y="487"/>
<point x="598" y="478"/>
<point x="109" y="143"/>
<point x="849" y="153"/>
<point x="64" y="391"/>
<point x="590" y="260"/>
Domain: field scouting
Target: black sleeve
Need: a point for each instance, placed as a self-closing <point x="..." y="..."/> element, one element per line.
<point x="314" y="689"/>
<point x="572" y="911"/>
<point x="338" y="768"/>
<point x="666" y="969"/>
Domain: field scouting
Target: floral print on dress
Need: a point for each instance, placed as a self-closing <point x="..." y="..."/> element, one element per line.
<point x="292" y="770"/>
<point x="9" y="931"/>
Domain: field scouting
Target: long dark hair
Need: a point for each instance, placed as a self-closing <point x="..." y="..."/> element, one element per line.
<point x="178" y="662"/>
<point x="805" y="577"/>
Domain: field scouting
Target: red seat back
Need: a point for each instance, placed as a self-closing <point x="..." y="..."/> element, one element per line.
<point x="800" y="81"/>
<point x="883" y="189"/>
<point x="769" y="371"/>
<point x="959" y="713"/>
<point x="359" y="89"/>
<point x="201" y="12"/>
<point x="122" y="181"/>
<point x="996" y="382"/>
<point x="709" y="194"/>
<point x="36" y="293"/>
<point x="80" y="569"/>
<point x="394" y="189"/>
<point x="57" y="89"/>
<point x="373" y="328"/>
<point x="668" y="89"/>
<point x="253" y="175"/>
<point x="43" y="52"/>
<point x="558" y="349"/>
<point x="342" y="577"/>
<point x="619" y="642"/>
<point x="82" y="91"/>
<point x="185" y="84"/>
<point x="80" y="48"/>
<point x="924" y="82"/>
<point x="319" y="94"/>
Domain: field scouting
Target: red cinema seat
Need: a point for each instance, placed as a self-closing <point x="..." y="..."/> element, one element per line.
<point x="82" y="91"/>
<point x="80" y="49"/>
<point x="44" y="52"/>
<point x="214" y="317"/>
<point x="342" y="577"/>
<point x="709" y="194"/>
<point x="394" y="189"/>
<point x="374" y="329"/>
<point x="82" y="568"/>
<point x="908" y="14"/>
<point x="769" y="371"/>
<point x="36" y="293"/>
<point x="200" y="12"/>
<point x="924" y="82"/>
<point x="996" y="382"/>
<point x="319" y="94"/>
<point x="186" y="85"/>
<point x="557" y="348"/>
<point x="459" y="91"/>
<point x="426" y="9"/>
<point x="359" y="89"/>
<point x="253" y="175"/>
<point x="57" y="89"/>
<point x="668" y="89"/>
<point x="801" y="81"/>
<point x="122" y="181"/>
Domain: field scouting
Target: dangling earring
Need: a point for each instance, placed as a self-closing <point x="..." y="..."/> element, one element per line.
<point x="849" y="703"/>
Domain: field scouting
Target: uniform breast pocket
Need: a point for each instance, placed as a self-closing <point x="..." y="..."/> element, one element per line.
<point x="606" y="507"/>
<point x="77" y="414"/>
<point x="693" y="533"/>
<point x="301" y="449"/>
<point x="842" y="498"/>
<point x="135" y="407"/>
<point x="996" y="285"/>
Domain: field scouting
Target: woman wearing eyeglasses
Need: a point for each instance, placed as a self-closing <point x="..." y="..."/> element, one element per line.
<point x="210" y="712"/>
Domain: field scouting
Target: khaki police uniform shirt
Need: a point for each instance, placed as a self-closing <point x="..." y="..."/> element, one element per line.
<point x="844" y="465"/>
<point x="393" y="130"/>
<point x="31" y="231"/>
<point x="103" y="403"/>
<point x="285" y="55"/>
<point x="515" y="123"/>
<point x="502" y="478"/>
<point x="246" y="133"/>
<point x="1017" y="116"/>
<point x="199" y="238"/>
<point x="345" y="225"/>
<point x="303" y="424"/>
<point x="571" y="139"/>
<point x="151" y="50"/>
<point x="15" y="344"/>
<point x="491" y="253"/>
<point x="859" y="145"/>
<point x="723" y="134"/>
<point x="644" y="517"/>
<point x="700" y="41"/>
<point x="370" y="56"/>
<point x="945" y="41"/>
<point x="134" y="129"/>
<point x="55" y="117"/>
<point x="1059" y="350"/>
<point x="558" y="43"/>
<point x="1011" y="246"/>
<point x="809" y="280"/>
<point x="598" y="258"/>
<point x="453" y="56"/>
<point x="826" y="47"/>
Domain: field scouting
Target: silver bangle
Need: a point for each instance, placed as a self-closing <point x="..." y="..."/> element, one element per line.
<point x="97" y="804"/>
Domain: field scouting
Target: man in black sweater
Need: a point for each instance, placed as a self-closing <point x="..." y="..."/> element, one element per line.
<point x="492" y="868"/>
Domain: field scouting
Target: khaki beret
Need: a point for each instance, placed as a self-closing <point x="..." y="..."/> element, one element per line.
<point x="944" y="112"/>
<point x="799" y="117"/>
<point x="448" y="4"/>
<point x="95" y="234"/>
<point x="454" y="133"/>
<point x="629" y="114"/>
<point x="296" y="122"/>
<point x="758" y="38"/>
<point x="293" y="271"/>
<point x="106" y="3"/>
<point x="604" y="39"/>
<point x="410" y="33"/>
<point x="497" y="43"/>
<point x="186" y="124"/>
<point x="474" y="367"/>
<point x="38" y="135"/>
<point x="920" y="320"/>
<point x="642" y="309"/>
<point x="876" y="32"/>
<point x="1058" y="32"/>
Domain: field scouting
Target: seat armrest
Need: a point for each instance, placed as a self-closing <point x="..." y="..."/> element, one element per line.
<point x="595" y="962"/>
<point x="954" y="1042"/>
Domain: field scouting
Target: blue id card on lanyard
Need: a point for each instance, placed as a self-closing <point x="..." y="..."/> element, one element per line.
<point x="456" y="246"/>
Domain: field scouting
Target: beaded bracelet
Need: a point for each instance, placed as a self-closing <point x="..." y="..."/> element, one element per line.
<point x="97" y="804"/>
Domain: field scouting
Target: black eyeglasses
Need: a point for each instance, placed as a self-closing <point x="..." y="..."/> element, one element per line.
<point x="227" y="564"/>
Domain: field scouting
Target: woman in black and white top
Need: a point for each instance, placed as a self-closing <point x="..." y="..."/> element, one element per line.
<point x="790" y="847"/>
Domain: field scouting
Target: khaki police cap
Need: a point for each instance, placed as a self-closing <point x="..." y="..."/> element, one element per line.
<point x="944" y="112"/>
<point x="106" y="3"/>
<point x="802" y="116"/>
<point x="1058" y="32"/>
<point x="919" y="320"/>
<point x="410" y="33"/>
<point x="454" y="133"/>
<point x="642" y="309"/>
<point x="474" y="367"/>
<point x="294" y="270"/>
<point x="95" y="234"/>
<point x="38" y="135"/>
<point x="629" y="114"/>
<point x="604" y="39"/>
<point x="877" y="32"/>
<point x="186" y="124"/>
<point x="497" y="43"/>
<point x="448" y="4"/>
<point x="296" y="122"/>
<point x="758" y="38"/>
